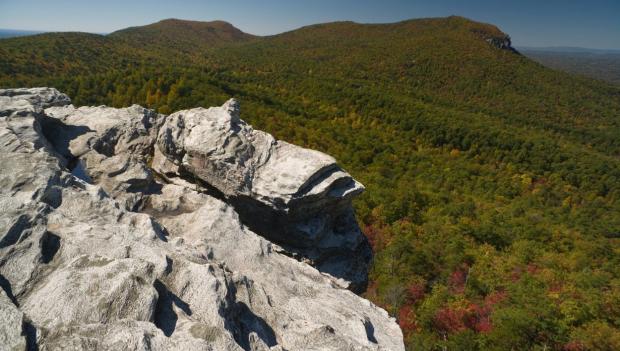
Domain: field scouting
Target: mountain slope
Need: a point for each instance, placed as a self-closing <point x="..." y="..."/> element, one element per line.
<point x="72" y="53"/>
<point x="10" y="33"/>
<point x="441" y="61"/>
<point x="493" y="196"/>
<point x="57" y="53"/>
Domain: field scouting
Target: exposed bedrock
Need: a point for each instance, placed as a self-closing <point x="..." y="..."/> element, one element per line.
<point x="97" y="252"/>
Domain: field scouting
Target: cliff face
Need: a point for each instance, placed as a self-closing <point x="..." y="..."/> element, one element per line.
<point x="126" y="229"/>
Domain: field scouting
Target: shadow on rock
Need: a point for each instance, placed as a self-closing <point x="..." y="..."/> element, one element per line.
<point x="6" y="286"/>
<point x="165" y="316"/>
<point x="60" y="134"/>
<point x="246" y="323"/>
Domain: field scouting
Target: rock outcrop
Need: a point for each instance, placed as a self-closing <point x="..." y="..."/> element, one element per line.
<point x="126" y="229"/>
<point x="295" y="197"/>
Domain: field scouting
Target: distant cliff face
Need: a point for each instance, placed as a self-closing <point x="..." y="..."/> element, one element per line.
<point x="127" y="229"/>
<point x="488" y="32"/>
<point x="501" y="42"/>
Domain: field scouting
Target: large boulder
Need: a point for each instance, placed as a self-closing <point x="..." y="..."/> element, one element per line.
<point x="296" y="197"/>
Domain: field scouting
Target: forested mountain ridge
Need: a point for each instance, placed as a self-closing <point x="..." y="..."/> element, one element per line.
<point x="493" y="196"/>
<point x="75" y="52"/>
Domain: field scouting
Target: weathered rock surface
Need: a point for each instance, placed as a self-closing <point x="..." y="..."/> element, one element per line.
<point x="107" y="146"/>
<point x="97" y="253"/>
<point x="12" y="321"/>
<point x="31" y="100"/>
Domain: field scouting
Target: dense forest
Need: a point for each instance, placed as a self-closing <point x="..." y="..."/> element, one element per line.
<point x="493" y="183"/>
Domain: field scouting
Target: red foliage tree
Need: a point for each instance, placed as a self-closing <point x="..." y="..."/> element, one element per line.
<point x="407" y="320"/>
<point x="495" y="297"/>
<point x="475" y="317"/>
<point x="573" y="346"/>
<point x="376" y="237"/>
<point x="458" y="278"/>
<point x="478" y="318"/>
<point x="415" y="292"/>
<point x="450" y="320"/>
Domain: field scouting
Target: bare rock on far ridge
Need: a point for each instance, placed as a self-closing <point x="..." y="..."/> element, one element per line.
<point x="98" y="252"/>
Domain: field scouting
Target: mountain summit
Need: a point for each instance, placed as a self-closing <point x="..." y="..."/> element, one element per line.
<point x="179" y="33"/>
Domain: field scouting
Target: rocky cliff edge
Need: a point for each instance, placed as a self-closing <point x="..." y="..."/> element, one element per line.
<point x="127" y="229"/>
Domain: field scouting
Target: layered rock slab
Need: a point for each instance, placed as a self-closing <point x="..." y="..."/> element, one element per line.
<point x="296" y="197"/>
<point x="30" y="100"/>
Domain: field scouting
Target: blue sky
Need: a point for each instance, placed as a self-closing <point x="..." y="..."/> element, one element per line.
<point x="585" y="23"/>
